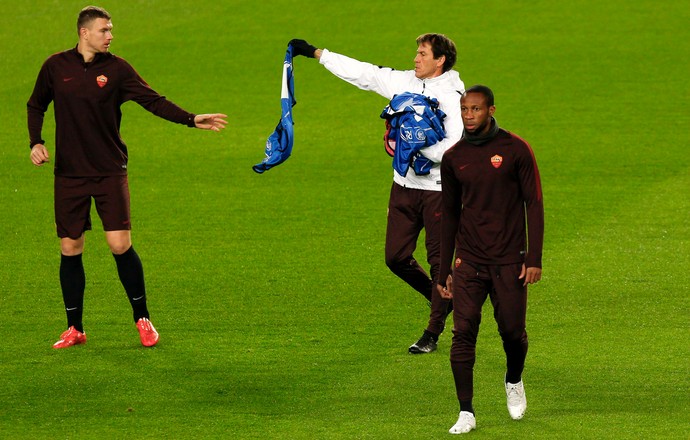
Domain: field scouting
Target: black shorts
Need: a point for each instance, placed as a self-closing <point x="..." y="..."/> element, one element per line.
<point x="73" y="204"/>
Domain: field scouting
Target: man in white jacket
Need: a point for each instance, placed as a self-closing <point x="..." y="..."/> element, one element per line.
<point x="415" y="200"/>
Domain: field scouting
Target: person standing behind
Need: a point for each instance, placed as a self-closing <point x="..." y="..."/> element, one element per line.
<point x="415" y="200"/>
<point x="493" y="221"/>
<point x="88" y="85"/>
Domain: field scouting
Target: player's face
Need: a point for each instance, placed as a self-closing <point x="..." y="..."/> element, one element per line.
<point x="98" y="35"/>
<point x="425" y="65"/>
<point x="476" y="114"/>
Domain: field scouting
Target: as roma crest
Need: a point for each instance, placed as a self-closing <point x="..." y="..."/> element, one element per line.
<point x="101" y="80"/>
<point x="496" y="161"/>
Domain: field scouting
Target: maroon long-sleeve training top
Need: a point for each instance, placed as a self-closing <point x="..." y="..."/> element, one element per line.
<point x="489" y="192"/>
<point x="87" y="99"/>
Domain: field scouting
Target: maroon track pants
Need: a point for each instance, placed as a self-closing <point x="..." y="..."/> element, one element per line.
<point x="410" y="211"/>
<point x="472" y="283"/>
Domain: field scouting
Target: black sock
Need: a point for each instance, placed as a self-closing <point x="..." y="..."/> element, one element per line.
<point x="466" y="405"/>
<point x="132" y="277"/>
<point x="516" y="352"/>
<point x="434" y="336"/>
<point x="73" y="282"/>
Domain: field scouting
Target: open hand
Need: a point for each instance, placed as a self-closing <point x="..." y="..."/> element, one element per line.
<point x="212" y="121"/>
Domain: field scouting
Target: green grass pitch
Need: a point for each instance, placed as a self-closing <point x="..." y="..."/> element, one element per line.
<point x="278" y="317"/>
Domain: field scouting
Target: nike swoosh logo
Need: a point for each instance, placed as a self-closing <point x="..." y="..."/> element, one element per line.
<point x="137" y="299"/>
<point x="462" y="167"/>
<point x="73" y="308"/>
<point x="67" y="79"/>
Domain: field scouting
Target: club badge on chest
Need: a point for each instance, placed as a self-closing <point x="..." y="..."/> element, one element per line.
<point x="101" y="80"/>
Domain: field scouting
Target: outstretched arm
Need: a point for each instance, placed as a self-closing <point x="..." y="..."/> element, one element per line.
<point x="382" y="80"/>
<point x="211" y="121"/>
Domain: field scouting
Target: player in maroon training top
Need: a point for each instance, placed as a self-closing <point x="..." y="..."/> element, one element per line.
<point x="87" y="86"/>
<point x="491" y="240"/>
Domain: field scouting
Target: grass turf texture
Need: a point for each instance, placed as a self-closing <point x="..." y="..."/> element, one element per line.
<point x="278" y="318"/>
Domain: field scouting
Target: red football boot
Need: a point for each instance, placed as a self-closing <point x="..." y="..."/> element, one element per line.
<point x="70" y="337"/>
<point x="147" y="332"/>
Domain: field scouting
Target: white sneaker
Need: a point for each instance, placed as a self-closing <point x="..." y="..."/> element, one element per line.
<point x="465" y="423"/>
<point x="517" y="401"/>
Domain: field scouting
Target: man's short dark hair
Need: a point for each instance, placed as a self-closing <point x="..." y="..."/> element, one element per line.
<point x="90" y="13"/>
<point x="440" y="46"/>
<point x="484" y="90"/>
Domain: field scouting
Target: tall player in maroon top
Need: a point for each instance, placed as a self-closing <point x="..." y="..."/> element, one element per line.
<point x="87" y="86"/>
<point x="491" y="239"/>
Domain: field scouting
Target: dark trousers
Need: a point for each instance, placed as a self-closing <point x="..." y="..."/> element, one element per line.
<point x="472" y="283"/>
<point x="410" y="211"/>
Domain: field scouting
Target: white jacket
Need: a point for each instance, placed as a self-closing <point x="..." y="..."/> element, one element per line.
<point x="387" y="82"/>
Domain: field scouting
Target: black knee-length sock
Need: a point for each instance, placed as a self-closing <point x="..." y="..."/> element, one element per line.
<point x="73" y="282"/>
<point x="516" y="352"/>
<point x="131" y="273"/>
